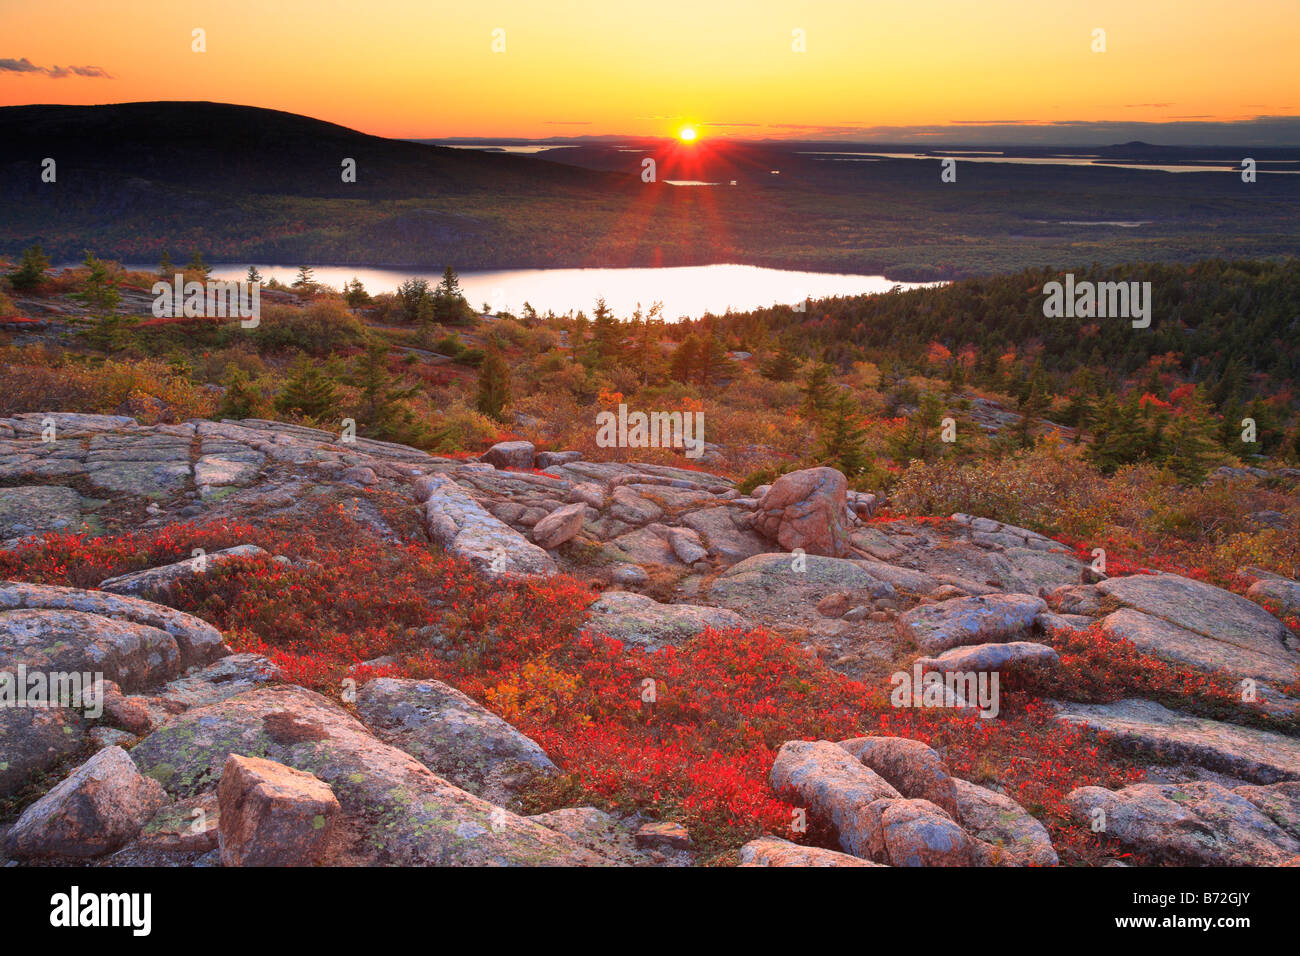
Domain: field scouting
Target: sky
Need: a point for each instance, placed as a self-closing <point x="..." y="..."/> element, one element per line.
<point x="928" y="70"/>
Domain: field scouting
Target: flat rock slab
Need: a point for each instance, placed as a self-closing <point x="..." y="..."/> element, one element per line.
<point x="395" y="809"/>
<point x="1204" y="609"/>
<point x="1244" y="752"/>
<point x="989" y="618"/>
<point x="1189" y="823"/>
<point x="1263" y="660"/>
<point x="785" y="586"/>
<point x="455" y="737"/>
<point x="636" y="619"/>
<point x="36" y="509"/>
<point x="989" y="657"/>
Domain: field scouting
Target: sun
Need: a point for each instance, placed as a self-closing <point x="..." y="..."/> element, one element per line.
<point x="687" y="134"/>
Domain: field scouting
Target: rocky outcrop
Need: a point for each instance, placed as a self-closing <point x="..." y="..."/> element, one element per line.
<point x="395" y="810"/>
<point x="773" y="851"/>
<point x="465" y="529"/>
<point x="157" y="584"/>
<point x="1210" y="626"/>
<point x="989" y="657"/>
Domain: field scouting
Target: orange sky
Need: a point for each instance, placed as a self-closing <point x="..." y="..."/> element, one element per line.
<point x="613" y="66"/>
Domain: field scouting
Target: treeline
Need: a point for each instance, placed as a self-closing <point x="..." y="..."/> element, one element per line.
<point x="1230" y="325"/>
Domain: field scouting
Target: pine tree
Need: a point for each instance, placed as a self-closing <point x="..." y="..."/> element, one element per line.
<point x="309" y="391"/>
<point x="241" y="398"/>
<point x="198" y="266"/>
<point x="781" y="367"/>
<point x="493" y="383"/>
<point x="647" y="332"/>
<point x="449" y="305"/>
<point x="685" y="359"/>
<point x="254" y="277"/>
<point x="305" y="279"/>
<point x="101" y="298"/>
<point x="712" y="361"/>
<point x="31" y="269"/>
<point x="166" y="268"/>
<point x="355" y="293"/>
<point x="606" y="337"/>
<point x="1188" y="443"/>
<point x="816" y="390"/>
<point x="383" y="411"/>
<point x="843" y="439"/>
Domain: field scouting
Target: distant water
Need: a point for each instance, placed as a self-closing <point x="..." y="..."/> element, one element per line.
<point x="687" y="291"/>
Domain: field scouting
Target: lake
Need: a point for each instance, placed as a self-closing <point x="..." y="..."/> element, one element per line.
<point x="686" y="291"/>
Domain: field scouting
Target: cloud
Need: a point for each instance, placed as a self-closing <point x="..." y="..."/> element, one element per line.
<point x="24" y="65"/>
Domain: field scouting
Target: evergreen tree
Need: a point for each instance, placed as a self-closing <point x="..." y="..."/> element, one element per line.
<point x="241" y="398"/>
<point x="31" y="269"/>
<point x="254" y="277"/>
<point x="449" y="305"/>
<point x="309" y="392"/>
<point x="199" y="266"/>
<point x="101" y="298"/>
<point x="1188" y="445"/>
<point x="355" y="294"/>
<point x="780" y="367"/>
<point x="843" y="439"/>
<point x="685" y="359"/>
<point x="383" y="411"/>
<point x="305" y="280"/>
<point x="493" y="382"/>
<point x="166" y="268"/>
<point x="606" y="337"/>
<point x="817" y="390"/>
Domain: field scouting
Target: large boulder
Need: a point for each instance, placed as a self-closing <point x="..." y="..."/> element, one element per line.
<point x="510" y="454"/>
<point x="1005" y="833"/>
<point x="273" y="815"/>
<point x="1276" y="592"/>
<point x="97" y="809"/>
<point x="1262" y="660"/>
<point x="989" y="618"/>
<point x="919" y="833"/>
<point x="909" y="766"/>
<point x="806" y="510"/>
<point x="197" y="641"/>
<point x="560" y="525"/>
<point x="974" y="658"/>
<point x="453" y="736"/>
